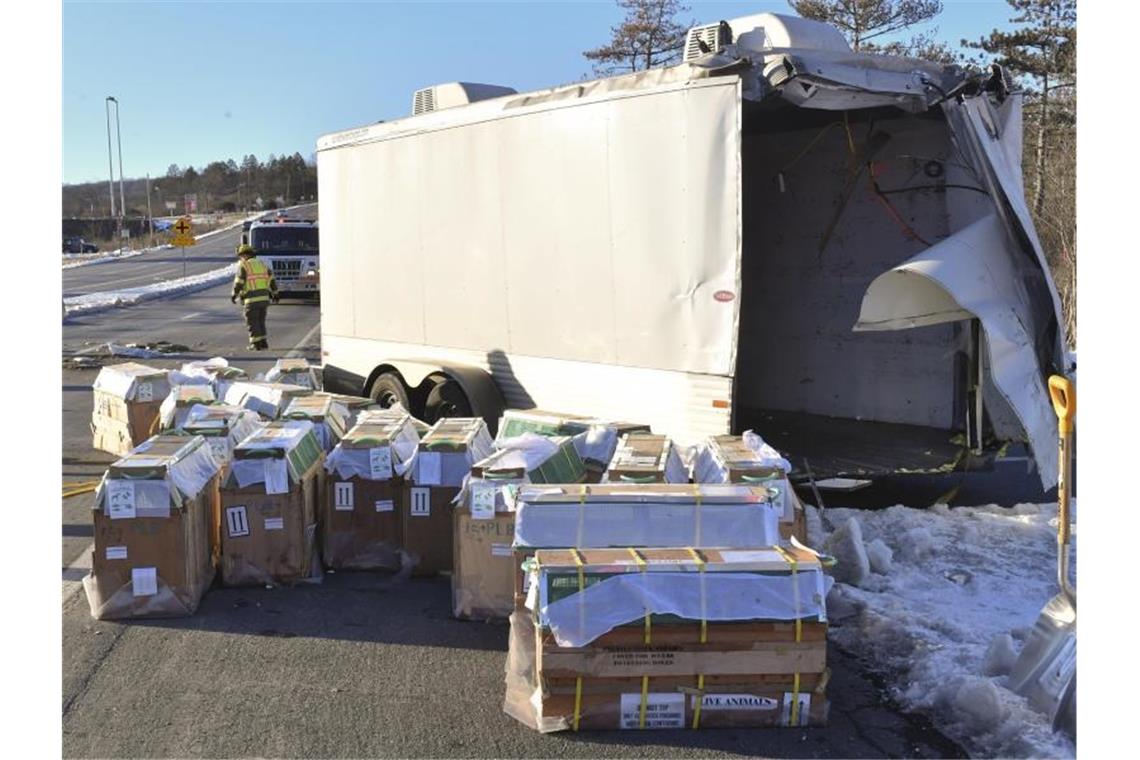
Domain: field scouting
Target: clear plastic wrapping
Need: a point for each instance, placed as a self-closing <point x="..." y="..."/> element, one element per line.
<point x="267" y="399"/>
<point x="294" y="371"/>
<point x="361" y="463"/>
<point x="651" y="515"/>
<point x="133" y="382"/>
<point x="223" y="426"/>
<point x="580" y="618"/>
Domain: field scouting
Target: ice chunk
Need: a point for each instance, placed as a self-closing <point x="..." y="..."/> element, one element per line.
<point x="979" y="705"/>
<point x="917" y="544"/>
<point x="1000" y="656"/>
<point x="880" y="556"/>
<point x="846" y="545"/>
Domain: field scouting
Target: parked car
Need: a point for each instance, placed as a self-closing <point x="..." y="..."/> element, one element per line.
<point x="78" y="245"/>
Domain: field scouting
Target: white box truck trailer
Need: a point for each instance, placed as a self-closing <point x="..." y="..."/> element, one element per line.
<point x="830" y="248"/>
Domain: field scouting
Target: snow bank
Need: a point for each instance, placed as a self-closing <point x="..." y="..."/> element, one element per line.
<point x="959" y="580"/>
<point x="83" y="259"/>
<point x="91" y="303"/>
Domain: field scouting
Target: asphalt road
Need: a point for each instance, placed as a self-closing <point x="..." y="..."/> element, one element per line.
<point x="361" y="665"/>
<point x="210" y="253"/>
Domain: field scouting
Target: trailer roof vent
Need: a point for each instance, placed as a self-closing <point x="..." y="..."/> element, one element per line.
<point x="707" y="38"/>
<point x="451" y="94"/>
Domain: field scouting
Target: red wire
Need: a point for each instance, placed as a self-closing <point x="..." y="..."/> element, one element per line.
<point x="891" y="210"/>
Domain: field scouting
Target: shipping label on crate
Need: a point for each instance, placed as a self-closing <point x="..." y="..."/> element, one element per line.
<point x="385" y="505"/>
<point x="116" y="552"/>
<point x="421" y="502"/>
<point x="219" y="447"/>
<point x="483" y="501"/>
<point x="237" y="521"/>
<point x="662" y="710"/>
<point x="502" y="550"/>
<point x="430" y="468"/>
<point x="749" y="702"/>
<point x="145" y="392"/>
<point x="380" y="463"/>
<point x="276" y="476"/>
<point x="275" y="523"/>
<point x="144" y="581"/>
<point x="120" y="499"/>
<point x="342" y="497"/>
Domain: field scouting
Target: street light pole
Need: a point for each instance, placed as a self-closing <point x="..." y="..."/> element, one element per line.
<point x="119" y="139"/>
<point x="149" y="215"/>
<point x="110" y="165"/>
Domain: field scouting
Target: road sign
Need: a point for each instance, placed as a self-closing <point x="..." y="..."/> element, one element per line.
<point x="191" y="200"/>
<point x="183" y="232"/>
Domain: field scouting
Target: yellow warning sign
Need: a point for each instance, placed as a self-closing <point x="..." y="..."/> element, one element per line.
<point x="183" y="232"/>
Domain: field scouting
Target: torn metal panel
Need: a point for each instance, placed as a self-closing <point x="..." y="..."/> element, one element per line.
<point x="973" y="273"/>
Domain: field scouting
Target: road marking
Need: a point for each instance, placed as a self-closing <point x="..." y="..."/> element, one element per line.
<point x="308" y="336"/>
<point x="73" y="573"/>
<point x="191" y="315"/>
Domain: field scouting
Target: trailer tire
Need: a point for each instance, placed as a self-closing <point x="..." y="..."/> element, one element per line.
<point x="446" y="399"/>
<point x="388" y="390"/>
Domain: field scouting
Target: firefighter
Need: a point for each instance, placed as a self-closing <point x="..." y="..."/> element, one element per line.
<point x="255" y="285"/>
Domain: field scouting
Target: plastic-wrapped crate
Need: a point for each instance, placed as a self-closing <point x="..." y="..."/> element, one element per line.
<point x="363" y="504"/>
<point x="152" y="531"/>
<point x="216" y="373"/>
<point x="594" y="439"/>
<point x="444" y="458"/>
<point x="269" y="506"/>
<point x="294" y="371"/>
<point x="354" y="406"/>
<point x="177" y="404"/>
<point x="127" y="400"/>
<point x="747" y="459"/>
<point x="329" y="418"/>
<point x="224" y="427"/>
<point x="646" y="458"/>
<point x="267" y="399"/>
<point x="652" y="515"/>
<point x="670" y="638"/>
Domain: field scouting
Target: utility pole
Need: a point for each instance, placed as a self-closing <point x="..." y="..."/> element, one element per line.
<point x="119" y="138"/>
<point x="110" y="164"/>
<point x="149" y="215"/>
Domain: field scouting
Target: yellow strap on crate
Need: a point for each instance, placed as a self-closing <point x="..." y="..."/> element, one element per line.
<point x="795" y="714"/>
<point x="704" y="634"/>
<point x="700" y="699"/>
<point x="577" y="702"/>
<point x="697" y="514"/>
<point x="581" y="616"/>
<point x="642" y="566"/>
<point x="644" y="700"/>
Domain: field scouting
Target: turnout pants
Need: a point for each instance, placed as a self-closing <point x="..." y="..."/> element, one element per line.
<point x="255" y="323"/>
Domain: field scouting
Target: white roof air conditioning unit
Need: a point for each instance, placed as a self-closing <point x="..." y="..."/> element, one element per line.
<point x="707" y="38"/>
<point x="765" y="31"/>
<point x="451" y="94"/>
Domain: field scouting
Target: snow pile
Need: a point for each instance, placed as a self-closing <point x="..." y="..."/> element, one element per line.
<point x="83" y="259"/>
<point x="96" y="302"/>
<point x="940" y="601"/>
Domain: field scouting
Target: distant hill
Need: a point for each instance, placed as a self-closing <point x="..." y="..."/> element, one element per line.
<point x="219" y="186"/>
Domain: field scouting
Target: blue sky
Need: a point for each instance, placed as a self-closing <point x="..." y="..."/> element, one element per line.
<point x="205" y="81"/>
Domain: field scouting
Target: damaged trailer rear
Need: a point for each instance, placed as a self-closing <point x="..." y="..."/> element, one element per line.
<point x="828" y="247"/>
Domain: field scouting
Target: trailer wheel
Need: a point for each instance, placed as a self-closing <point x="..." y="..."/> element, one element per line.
<point x="388" y="390"/>
<point x="446" y="399"/>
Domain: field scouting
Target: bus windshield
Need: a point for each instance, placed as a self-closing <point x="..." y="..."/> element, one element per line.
<point x="284" y="239"/>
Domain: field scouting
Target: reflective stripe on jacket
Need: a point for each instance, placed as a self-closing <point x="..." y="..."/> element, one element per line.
<point x="254" y="281"/>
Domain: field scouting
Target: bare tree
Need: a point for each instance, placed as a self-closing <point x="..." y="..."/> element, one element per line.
<point x="648" y="36"/>
<point x="865" y="20"/>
